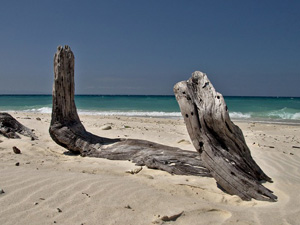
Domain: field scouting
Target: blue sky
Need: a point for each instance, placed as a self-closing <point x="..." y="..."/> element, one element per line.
<point x="247" y="48"/>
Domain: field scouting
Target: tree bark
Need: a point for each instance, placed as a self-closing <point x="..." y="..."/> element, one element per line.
<point x="9" y="127"/>
<point x="67" y="131"/>
<point x="219" y="141"/>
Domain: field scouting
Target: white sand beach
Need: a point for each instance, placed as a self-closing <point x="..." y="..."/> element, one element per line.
<point x="50" y="187"/>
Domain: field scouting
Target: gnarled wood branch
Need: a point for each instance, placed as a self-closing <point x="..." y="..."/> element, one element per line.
<point x="219" y="141"/>
<point x="67" y="131"/>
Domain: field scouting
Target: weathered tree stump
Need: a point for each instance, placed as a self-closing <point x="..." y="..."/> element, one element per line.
<point x="9" y="127"/>
<point x="219" y="141"/>
<point x="223" y="151"/>
<point x="67" y="131"/>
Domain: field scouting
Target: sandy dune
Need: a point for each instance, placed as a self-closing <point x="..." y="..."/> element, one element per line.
<point x="52" y="187"/>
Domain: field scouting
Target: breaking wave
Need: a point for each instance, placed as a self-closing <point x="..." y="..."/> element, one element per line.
<point x="239" y="115"/>
<point x="281" y="114"/>
<point x="113" y="113"/>
<point x="284" y="113"/>
<point x="40" y="110"/>
<point x="131" y="113"/>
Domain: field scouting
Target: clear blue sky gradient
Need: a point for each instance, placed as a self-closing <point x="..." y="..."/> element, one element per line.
<point x="247" y="48"/>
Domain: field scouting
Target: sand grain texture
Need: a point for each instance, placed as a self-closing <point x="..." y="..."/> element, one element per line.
<point x="99" y="191"/>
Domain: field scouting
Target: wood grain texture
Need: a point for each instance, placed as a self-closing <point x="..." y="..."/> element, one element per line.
<point x="67" y="131"/>
<point x="219" y="141"/>
<point x="221" y="144"/>
<point x="9" y="127"/>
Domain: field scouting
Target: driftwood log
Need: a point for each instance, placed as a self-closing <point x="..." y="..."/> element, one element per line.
<point x="219" y="141"/>
<point x="223" y="151"/>
<point x="9" y="127"/>
<point x="67" y="131"/>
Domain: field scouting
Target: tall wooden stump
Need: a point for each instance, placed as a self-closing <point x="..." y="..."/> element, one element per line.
<point x="67" y="131"/>
<point x="219" y="141"/>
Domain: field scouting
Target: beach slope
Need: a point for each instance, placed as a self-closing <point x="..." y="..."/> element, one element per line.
<point x="46" y="185"/>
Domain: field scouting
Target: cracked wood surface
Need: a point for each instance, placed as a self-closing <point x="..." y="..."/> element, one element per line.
<point x="221" y="144"/>
<point x="219" y="141"/>
<point x="67" y="131"/>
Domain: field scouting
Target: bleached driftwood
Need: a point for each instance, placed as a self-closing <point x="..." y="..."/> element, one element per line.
<point x="9" y="127"/>
<point x="67" y="131"/>
<point x="219" y="141"/>
<point x="223" y="151"/>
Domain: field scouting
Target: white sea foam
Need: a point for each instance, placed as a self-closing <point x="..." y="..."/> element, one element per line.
<point x="40" y="110"/>
<point x="285" y="113"/>
<point x="239" y="115"/>
<point x="296" y="116"/>
<point x="112" y="113"/>
<point x="282" y="114"/>
<point x="131" y="113"/>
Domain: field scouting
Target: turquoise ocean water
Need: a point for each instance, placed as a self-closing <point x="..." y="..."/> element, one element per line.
<point x="267" y="109"/>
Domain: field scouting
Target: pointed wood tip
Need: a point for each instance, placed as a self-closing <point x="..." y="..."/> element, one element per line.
<point x="65" y="48"/>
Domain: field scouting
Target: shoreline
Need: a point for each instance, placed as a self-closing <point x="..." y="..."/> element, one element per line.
<point x="99" y="191"/>
<point x="290" y="122"/>
<point x="252" y="109"/>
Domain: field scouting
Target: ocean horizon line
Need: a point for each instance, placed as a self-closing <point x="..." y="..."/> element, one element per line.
<point x="155" y="95"/>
